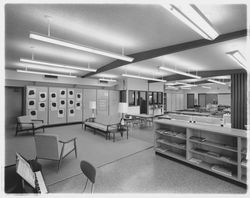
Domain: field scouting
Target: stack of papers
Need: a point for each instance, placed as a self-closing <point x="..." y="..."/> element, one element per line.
<point x="196" y="161"/>
<point x="222" y="170"/>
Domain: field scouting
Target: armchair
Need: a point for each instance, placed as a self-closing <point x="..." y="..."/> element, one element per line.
<point x="25" y="123"/>
<point x="49" y="147"/>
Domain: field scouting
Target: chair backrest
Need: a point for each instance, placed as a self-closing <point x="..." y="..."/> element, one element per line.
<point x="47" y="146"/>
<point x="88" y="170"/>
<point x="24" y="119"/>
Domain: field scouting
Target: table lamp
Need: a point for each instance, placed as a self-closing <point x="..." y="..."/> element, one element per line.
<point x="92" y="106"/>
<point x="123" y="108"/>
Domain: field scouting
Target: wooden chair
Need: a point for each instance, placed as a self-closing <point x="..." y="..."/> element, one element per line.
<point x="49" y="147"/>
<point x="25" y="123"/>
<point x="90" y="172"/>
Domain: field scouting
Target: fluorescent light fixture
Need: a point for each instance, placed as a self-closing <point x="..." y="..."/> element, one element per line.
<point x="107" y="80"/>
<point x="216" y="81"/>
<point x="56" y="65"/>
<point x="144" y="78"/>
<point x="179" y="72"/>
<point x="79" y="47"/>
<point x="238" y="58"/>
<point x="189" y="85"/>
<point x="206" y="87"/>
<point x="45" y="73"/>
<point x="192" y="16"/>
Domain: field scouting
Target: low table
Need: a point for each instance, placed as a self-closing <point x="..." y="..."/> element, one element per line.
<point x="121" y="129"/>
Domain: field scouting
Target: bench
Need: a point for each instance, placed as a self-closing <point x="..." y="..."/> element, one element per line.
<point x="105" y="125"/>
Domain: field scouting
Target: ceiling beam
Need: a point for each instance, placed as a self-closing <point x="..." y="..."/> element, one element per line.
<point x="141" y="56"/>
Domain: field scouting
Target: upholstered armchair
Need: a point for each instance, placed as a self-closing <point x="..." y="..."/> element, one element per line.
<point x="25" y="123"/>
<point x="49" y="147"/>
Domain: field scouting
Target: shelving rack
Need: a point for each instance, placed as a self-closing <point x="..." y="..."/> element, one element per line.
<point x="217" y="149"/>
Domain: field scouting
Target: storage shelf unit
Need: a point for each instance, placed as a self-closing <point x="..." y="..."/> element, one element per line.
<point x="217" y="149"/>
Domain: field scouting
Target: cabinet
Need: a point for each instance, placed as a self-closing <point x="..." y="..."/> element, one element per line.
<point x="217" y="149"/>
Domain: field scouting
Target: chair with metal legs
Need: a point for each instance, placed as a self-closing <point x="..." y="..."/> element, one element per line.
<point x="90" y="172"/>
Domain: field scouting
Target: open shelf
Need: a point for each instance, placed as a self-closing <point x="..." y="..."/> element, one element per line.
<point x="174" y="134"/>
<point x="217" y="147"/>
<point x="213" y="144"/>
<point x="211" y="156"/>
<point x="170" y="154"/>
<point x="174" y="144"/>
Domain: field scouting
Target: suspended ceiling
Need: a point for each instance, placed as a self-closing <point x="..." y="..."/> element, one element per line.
<point x="112" y="27"/>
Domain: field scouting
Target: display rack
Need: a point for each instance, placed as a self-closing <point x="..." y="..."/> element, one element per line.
<point x="220" y="150"/>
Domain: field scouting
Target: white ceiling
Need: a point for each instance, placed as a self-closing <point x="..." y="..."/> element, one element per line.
<point x="111" y="27"/>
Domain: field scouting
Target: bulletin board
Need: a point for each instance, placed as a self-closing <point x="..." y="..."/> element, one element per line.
<point x="57" y="105"/>
<point x="75" y="107"/>
<point x="37" y="103"/>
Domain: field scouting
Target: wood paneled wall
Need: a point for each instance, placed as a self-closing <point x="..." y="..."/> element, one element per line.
<point x="239" y="100"/>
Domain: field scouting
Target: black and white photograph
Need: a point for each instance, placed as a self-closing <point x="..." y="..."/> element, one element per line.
<point x="125" y="98"/>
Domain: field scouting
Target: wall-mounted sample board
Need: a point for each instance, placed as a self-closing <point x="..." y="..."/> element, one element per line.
<point x="57" y="105"/>
<point x="102" y="103"/>
<point x="74" y="101"/>
<point x="37" y="103"/>
<point x="88" y="96"/>
<point x="113" y="102"/>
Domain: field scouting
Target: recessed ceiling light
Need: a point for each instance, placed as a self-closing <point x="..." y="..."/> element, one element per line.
<point x="107" y="80"/>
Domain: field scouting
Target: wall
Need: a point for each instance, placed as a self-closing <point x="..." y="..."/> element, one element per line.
<point x="88" y="95"/>
<point x="137" y="84"/>
<point x="157" y="86"/>
<point x="13" y="106"/>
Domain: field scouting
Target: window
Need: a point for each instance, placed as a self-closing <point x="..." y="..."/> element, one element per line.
<point x="150" y="98"/>
<point x="137" y="102"/>
<point x="155" y="99"/>
<point x="160" y="94"/>
<point x="122" y="96"/>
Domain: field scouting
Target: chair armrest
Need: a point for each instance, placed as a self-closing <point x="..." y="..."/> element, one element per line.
<point x="26" y="123"/>
<point x="90" y="120"/>
<point x="38" y="120"/>
<point x="65" y="142"/>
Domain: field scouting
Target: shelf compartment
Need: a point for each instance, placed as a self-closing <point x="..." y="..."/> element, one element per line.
<point x="213" y="144"/>
<point x="177" y="135"/>
<point x="171" y="154"/>
<point x="217" y="158"/>
<point x="161" y="141"/>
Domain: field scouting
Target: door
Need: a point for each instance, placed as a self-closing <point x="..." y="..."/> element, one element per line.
<point x="190" y="100"/>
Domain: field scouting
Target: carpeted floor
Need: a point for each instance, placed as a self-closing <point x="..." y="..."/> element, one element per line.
<point x="90" y="147"/>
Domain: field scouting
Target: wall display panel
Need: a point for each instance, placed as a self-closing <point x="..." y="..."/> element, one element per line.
<point x="42" y="106"/>
<point x="88" y="96"/>
<point x="57" y="111"/>
<point x="71" y="93"/>
<point x="61" y="113"/>
<point x="74" y="98"/>
<point x="155" y="99"/>
<point x="31" y="92"/>
<point x="131" y="98"/>
<point x="150" y="98"/>
<point x="62" y="103"/>
<point x="37" y="103"/>
<point x="62" y="93"/>
<point x="102" y="104"/>
<point x="42" y="96"/>
<point x="32" y="103"/>
<point x="113" y="102"/>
